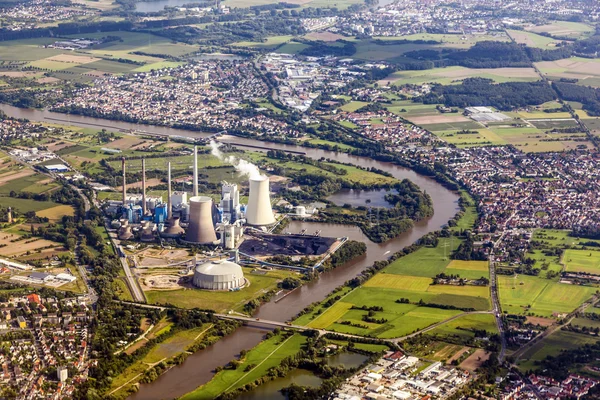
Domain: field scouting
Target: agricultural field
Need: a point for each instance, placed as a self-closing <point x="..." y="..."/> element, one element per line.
<point x="574" y="30"/>
<point x="586" y="261"/>
<point x="593" y="124"/>
<point x="531" y="295"/>
<point x="587" y="71"/>
<point x="269" y="353"/>
<point x="532" y="39"/>
<point x="464" y="326"/>
<point x="219" y="301"/>
<point x="270" y="43"/>
<point x="87" y="64"/>
<point x="552" y="346"/>
<point x="456" y="74"/>
<point x="409" y="278"/>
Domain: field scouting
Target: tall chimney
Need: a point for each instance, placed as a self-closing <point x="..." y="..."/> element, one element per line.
<point x="144" y="209"/>
<point x="124" y="183"/>
<point x="9" y="216"/>
<point x="195" y="171"/>
<point x="169" y="202"/>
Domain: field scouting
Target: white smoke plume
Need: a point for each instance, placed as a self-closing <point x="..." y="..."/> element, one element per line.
<point x="242" y="166"/>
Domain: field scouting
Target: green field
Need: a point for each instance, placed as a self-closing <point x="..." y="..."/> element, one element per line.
<point x="27" y="184"/>
<point x="269" y="44"/>
<point x="219" y="301"/>
<point x="538" y="296"/>
<point x="25" y="205"/>
<point x="552" y="346"/>
<point x="353" y="106"/>
<point x="427" y="261"/>
<point x="464" y="326"/>
<point x="456" y="74"/>
<point x="587" y="261"/>
<point x="267" y="354"/>
<point x="532" y="39"/>
<point x="561" y="29"/>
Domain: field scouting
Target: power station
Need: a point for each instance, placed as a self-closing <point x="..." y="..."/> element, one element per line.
<point x="197" y="220"/>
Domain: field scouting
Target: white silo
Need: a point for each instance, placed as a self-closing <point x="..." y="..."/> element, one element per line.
<point x="228" y="238"/>
<point x="259" y="211"/>
<point x="201" y="229"/>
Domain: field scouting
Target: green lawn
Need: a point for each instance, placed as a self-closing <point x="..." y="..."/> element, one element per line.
<point x="427" y="261"/>
<point x="220" y="301"/>
<point x="267" y="354"/>
<point x="587" y="261"/>
<point x="25" y="205"/>
<point x="543" y="297"/>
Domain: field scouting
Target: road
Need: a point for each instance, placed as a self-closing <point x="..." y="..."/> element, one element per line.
<point x="136" y="292"/>
<point x="91" y="293"/>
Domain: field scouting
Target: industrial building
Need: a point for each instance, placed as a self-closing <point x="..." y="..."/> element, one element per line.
<point x="218" y="275"/>
<point x="194" y="220"/>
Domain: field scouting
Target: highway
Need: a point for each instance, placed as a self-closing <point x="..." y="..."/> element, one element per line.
<point x="136" y="292"/>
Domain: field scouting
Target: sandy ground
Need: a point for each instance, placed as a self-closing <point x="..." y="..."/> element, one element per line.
<point x="505" y="72"/>
<point x="540" y="321"/>
<point x="324" y="36"/>
<point x="48" y="79"/>
<point x="437" y="119"/>
<point x="149" y="182"/>
<point x="575" y="68"/>
<point x="11" y="176"/>
<point x="475" y="360"/>
<point x="20" y="247"/>
<point x="458" y="354"/>
<point x="154" y="282"/>
<point x="17" y="74"/>
<point x="73" y="58"/>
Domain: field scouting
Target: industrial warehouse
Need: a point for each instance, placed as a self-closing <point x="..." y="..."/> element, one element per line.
<point x="225" y="234"/>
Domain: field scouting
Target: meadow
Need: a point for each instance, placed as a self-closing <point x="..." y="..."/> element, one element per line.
<point x="268" y="354"/>
<point x="586" y="71"/>
<point x="552" y="346"/>
<point x="562" y="29"/>
<point x="587" y="261"/>
<point x="219" y="301"/>
<point x="465" y="325"/>
<point x="456" y="74"/>
<point x="532" y="39"/>
<point x="525" y="295"/>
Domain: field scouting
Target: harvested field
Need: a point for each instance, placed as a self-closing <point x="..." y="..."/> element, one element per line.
<point x="438" y="119"/>
<point x="324" y="36"/>
<point x="540" y="321"/>
<point x="10" y="176"/>
<point x="22" y="247"/>
<point x="475" y="360"/>
<point x="18" y="74"/>
<point x="73" y="58"/>
<point x="56" y="213"/>
<point x="48" y="79"/>
<point x="458" y="354"/>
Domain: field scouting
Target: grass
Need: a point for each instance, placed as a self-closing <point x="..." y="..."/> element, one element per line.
<point x="573" y="30"/>
<point x="539" y="296"/>
<point x="353" y="106"/>
<point x="266" y="355"/>
<point x="330" y="143"/>
<point x="468" y="269"/>
<point x="26" y="184"/>
<point x="270" y="43"/>
<point x="552" y="346"/>
<point x="25" y="205"/>
<point x="465" y="325"/>
<point x="330" y="316"/>
<point x="427" y="261"/>
<point x="587" y="261"/>
<point x="456" y="74"/>
<point x="219" y="301"/>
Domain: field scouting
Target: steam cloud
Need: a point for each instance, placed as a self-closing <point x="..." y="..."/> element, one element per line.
<point x="242" y="166"/>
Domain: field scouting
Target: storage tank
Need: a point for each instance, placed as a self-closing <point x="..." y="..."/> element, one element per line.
<point x="218" y="275"/>
<point x="301" y="210"/>
<point x="228" y="239"/>
<point x="259" y="211"/>
<point x="201" y="229"/>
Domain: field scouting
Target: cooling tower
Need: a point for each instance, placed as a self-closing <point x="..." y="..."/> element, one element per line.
<point x="125" y="231"/>
<point x="259" y="211"/>
<point x="173" y="230"/>
<point x="201" y="228"/>
<point x="147" y="234"/>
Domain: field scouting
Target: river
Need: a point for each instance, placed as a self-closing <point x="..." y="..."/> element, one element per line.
<point x="198" y="368"/>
